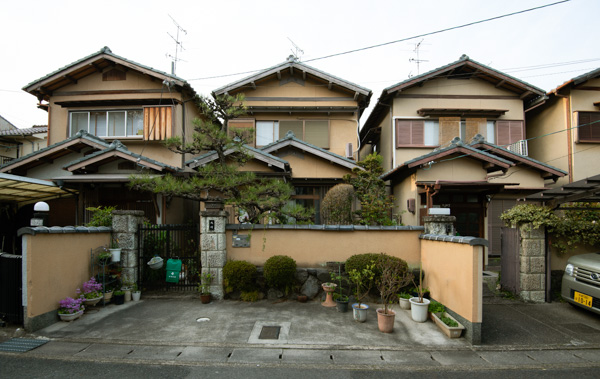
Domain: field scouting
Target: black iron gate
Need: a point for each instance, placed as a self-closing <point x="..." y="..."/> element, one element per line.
<point x="11" y="300"/>
<point x="510" y="264"/>
<point x="169" y="242"/>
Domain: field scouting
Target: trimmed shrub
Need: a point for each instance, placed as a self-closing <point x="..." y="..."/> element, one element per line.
<point x="360" y="261"/>
<point x="280" y="272"/>
<point x="250" y="296"/>
<point x="336" y="208"/>
<point x="238" y="276"/>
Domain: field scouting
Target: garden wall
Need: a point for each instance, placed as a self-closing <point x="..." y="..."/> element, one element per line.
<point x="453" y="274"/>
<point x="314" y="245"/>
<point x="56" y="261"/>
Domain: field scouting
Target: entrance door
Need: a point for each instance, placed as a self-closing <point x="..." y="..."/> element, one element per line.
<point x="468" y="210"/>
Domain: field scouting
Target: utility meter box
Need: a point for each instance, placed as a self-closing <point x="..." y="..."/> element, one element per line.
<point x="173" y="270"/>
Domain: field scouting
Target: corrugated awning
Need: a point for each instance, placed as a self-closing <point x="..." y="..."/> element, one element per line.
<point x="23" y="190"/>
<point x="585" y="190"/>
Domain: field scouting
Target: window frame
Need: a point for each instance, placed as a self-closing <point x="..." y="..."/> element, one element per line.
<point x="106" y="112"/>
<point x="591" y="129"/>
<point x="414" y="133"/>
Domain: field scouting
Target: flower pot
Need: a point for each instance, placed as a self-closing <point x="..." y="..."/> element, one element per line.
<point x="418" y="310"/>
<point x="329" y="288"/>
<point x="404" y="303"/>
<point x="342" y="305"/>
<point x="70" y="316"/>
<point x="385" y="321"/>
<point x="360" y="312"/>
<point x="302" y="298"/>
<point x="155" y="263"/>
<point x="450" y="331"/>
<point x="119" y="299"/>
<point x="135" y="295"/>
<point x="205" y="298"/>
<point x="115" y="255"/>
<point x="108" y="296"/>
<point x="94" y="301"/>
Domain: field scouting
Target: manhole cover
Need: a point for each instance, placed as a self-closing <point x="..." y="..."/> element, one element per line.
<point x="269" y="333"/>
<point x="21" y="345"/>
<point x="202" y="319"/>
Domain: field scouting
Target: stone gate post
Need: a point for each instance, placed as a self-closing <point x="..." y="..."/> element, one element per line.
<point x="125" y="229"/>
<point x="213" y="245"/>
<point x="532" y="276"/>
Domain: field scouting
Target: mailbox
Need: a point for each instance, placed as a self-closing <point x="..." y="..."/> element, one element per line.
<point x="173" y="270"/>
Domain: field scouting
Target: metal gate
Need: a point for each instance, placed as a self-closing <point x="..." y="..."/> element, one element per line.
<point x="169" y="242"/>
<point x="11" y="300"/>
<point x="510" y="264"/>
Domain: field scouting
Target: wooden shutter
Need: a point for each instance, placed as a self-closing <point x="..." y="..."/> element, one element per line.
<point x="508" y="132"/>
<point x="244" y="128"/>
<point x="588" y="126"/>
<point x="449" y="128"/>
<point x="410" y="132"/>
<point x="474" y="126"/>
<point x="158" y="123"/>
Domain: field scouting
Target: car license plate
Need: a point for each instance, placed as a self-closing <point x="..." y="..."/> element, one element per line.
<point x="583" y="299"/>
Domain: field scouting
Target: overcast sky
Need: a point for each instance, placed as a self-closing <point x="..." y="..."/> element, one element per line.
<point x="227" y="37"/>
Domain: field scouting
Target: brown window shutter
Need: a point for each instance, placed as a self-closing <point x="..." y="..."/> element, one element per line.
<point x="508" y="132"/>
<point x="588" y="126"/>
<point x="158" y="123"/>
<point x="516" y="131"/>
<point x="418" y="133"/>
<point x="449" y="128"/>
<point x="244" y="127"/>
<point x="403" y="135"/>
<point x="474" y="126"/>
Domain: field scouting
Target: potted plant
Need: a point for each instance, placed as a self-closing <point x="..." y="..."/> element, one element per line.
<point x="115" y="250"/>
<point x="394" y="275"/>
<point x="136" y="293"/>
<point x="403" y="299"/>
<point x="119" y="297"/>
<point x="70" y="309"/>
<point x="92" y="292"/>
<point x="363" y="280"/>
<point x="419" y="305"/>
<point x="448" y="324"/>
<point x="329" y="288"/>
<point x="127" y="286"/>
<point x="108" y="292"/>
<point x="104" y="257"/>
<point x="204" y="287"/>
<point x="340" y="299"/>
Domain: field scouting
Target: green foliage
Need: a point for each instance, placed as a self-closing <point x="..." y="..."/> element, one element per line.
<point x="101" y="216"/>
<point x="363" y="280"/>
<point x="404" y="295"/>
<point x="360" y="262"/>
<point x="448" y="321"/>
<point x="221" y="179"/>
<point x="238" y="276"/>
<point x="436" y="307"/>
<point x="280" y="272"/>
<point x="395" y="274"/>
<point x="250" y="296"/>
<point x="204" y="286"/>
<point x="370" y="190"/>
<point x="336" y="208"/>
<point x="569" y="227"/>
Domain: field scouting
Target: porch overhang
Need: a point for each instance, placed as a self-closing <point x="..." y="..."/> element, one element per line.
<point x="460" y="112"/>
<point x="478" y="187"/>
<point x="23" y="190"/>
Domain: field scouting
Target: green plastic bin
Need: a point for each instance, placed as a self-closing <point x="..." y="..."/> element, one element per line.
<point x="173" y="270"/>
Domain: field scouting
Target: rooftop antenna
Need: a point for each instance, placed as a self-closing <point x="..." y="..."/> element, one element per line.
<point x="297" y="52"/>
<point x="178" y="46"/>
<point x="417" y="60"/>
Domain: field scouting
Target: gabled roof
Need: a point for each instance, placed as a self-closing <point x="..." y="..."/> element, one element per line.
<point x="24" y="132"/>
<point x="42" y="88"/>
<point x="262" y="156"/>
<point x="291" y="140"/>
<point x="115" y="151"/>
<point x="46" y="155"/>
<point x="463" y="68"/>
<point x="293" y="64"/>
<point x="577" y="80"/>
<point x="479" y="142"/>
<point x="7" y="123"/>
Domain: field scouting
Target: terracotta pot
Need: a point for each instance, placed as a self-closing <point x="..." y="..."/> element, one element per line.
<point x="205" y="298"/>
<point x="302" y="298"/>
<point x="385" y="321"/>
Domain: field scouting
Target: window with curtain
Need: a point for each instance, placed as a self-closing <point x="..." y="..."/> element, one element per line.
<point x="104" y="123"/>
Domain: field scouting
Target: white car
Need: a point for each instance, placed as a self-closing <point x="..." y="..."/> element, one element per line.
<point x="581" y="281"/>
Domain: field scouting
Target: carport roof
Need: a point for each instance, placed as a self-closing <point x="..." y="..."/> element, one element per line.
<point x="585" y="190"/>
<point x="24" y="190"/>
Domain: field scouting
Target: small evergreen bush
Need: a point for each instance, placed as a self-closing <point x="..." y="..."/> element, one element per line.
<point x="280" y="272"/>
<point x="360" y="262"/>
<point x="101" y="216"/>
<point x="336" y="208"/>
<point x="238" y="276"/>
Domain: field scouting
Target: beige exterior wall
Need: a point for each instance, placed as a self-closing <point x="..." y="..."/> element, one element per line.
<point x="56" y="265"/>
<point x="309" y="166"/>
<point x="453" y="274"/>
<point x="403" y="191"/>
<point x="455" y="170"/>
<point x="386" y="144"/>
<point x="313" y="248"/>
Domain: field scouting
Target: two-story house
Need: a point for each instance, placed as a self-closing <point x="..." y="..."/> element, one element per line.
<point x="455" y="137"/>
<point x="107" y="118"/>
<point x="15" y="142"/>
<point x="304" y="127"/>
<point x="565" y="128"/>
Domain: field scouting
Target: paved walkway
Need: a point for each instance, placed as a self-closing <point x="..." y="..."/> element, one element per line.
<point x="184" y="331"/>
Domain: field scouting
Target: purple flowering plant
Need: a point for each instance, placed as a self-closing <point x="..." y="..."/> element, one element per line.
<point x="91" y="289"/>
<point x="70" y="305"/>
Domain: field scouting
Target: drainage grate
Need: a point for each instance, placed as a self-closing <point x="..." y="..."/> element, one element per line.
<point x="269" y="333"/>
<point x="21" y="345"/>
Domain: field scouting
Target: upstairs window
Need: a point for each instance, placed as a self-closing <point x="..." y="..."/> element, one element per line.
<point x="588" y="126"/>
<point x="315" y="132"/>
<point x="417" y="133"/>
<point x="509" y="132"/>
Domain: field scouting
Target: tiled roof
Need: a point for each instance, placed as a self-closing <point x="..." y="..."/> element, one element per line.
<point x="24" y="132"/>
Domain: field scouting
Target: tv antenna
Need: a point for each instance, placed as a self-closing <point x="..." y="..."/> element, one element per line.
<point x="298" y="52"/>
<point x="178" y="46"/>
<point x="417" y="60"/>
